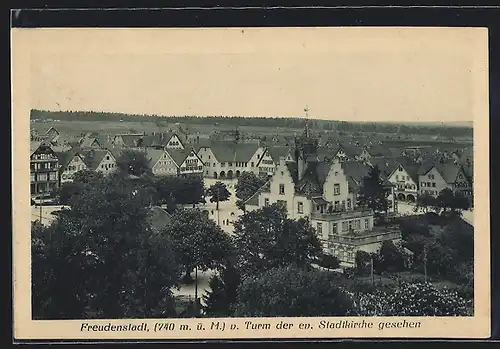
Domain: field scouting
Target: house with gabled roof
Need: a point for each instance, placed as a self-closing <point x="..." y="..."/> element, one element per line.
<point x="326" y="194"/>
<point x="404" y="176"/>
<point x="100" y="160"/>
<point x="129" y="140"/>
<point x="161" y="163"/>
<point x="187" y="161"/>
<point x="44" y="169"/>
<point x="271" y="157"/>
<point x="70" y="163"/>
<point x="227" y="160"/>
<point x="466" y="160"/>
<point x="52" y="134"/>
<point x="434" y="177"/>
<point x="90" y="142"/>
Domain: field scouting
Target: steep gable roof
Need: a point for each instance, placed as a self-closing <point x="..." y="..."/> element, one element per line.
<point x="410" y="167"/>
<point x="131" y="140"/>
<point x="449" y="172"/>
<point x="355" y="171"/>
<point x="153" y="155"/>
<point x="34" y="145"/>
<point x="65" y="157"/>
<point x="178" y="155"/>
<point x="277" y="152"/>
<point x="93" y="158"/>
<point x="233" y="152"/>
<point x="88" y="142"/>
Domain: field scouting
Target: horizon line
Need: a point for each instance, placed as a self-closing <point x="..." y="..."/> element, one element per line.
<point x="256" y="116"/>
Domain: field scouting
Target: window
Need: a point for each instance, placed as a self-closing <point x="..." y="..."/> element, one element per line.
<point x="350" y="225"/>
<point x="319" y="228"/>
<point x="107" y="157"/>
<point x="336" y="189"/>
<point x="282" y="189"/>
<point x="367" y="222"/>
<point x="266" y="202"/>
<point x="334" y="228"/>
<point x="422" y="184"/>
<point x="230" y="164"/>
<point x="357" y="224"/>
<point x="300" y="207"/>
<point x="428" y="184"/>
<point x="349" y="203"/>
<point x="344" y="226"/>
<point x="407" y="178"/>
<point x="400" y="168"/>
<point x="434" y="184"/>
<point x="282" y="203"/>
<point x="251" y="164"/>
<point x="397" y="177"/>
<point x="213" y="164"/>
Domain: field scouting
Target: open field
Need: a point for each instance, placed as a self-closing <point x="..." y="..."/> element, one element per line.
<point x="391" y="140"/>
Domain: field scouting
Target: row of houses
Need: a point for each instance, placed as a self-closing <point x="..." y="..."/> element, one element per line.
<point x="168" y="155"/>
<point x="49" y="169"/>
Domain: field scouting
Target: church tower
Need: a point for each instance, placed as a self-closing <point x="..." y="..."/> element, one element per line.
<point x="306" y="147"/>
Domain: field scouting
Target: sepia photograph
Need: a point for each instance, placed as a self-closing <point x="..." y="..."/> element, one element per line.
<point x="240" y="177"/>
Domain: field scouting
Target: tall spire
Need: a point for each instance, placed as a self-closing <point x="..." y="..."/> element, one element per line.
<point x="306" y="129"/>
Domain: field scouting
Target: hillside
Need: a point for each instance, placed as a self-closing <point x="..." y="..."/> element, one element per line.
<point x="276" y="122"/>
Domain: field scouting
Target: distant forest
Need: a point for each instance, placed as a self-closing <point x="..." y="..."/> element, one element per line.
<point x="273" y="122"/>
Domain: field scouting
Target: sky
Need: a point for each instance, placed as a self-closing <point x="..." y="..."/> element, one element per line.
<point x="353" y="75"/>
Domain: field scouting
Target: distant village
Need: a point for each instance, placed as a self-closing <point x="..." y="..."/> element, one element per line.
<point x="310" y="174"/>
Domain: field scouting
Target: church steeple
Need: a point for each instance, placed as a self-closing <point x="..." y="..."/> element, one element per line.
<point x="305" y="147"/>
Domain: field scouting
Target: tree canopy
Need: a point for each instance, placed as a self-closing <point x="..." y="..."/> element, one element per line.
<point x="292" y="291"/>
<point x="372" y="193"/>
<point x="218" y="192"/>
<point x="133" y="162"/>
<point x="266" y="238"/>
<point x="199" y="241"/>
<point x="102" y="260"/>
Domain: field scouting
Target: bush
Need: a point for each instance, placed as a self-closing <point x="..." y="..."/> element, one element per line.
<point x="413" y="299"/>
<point x="328" y="261"/>
<point x="293" y="291"/>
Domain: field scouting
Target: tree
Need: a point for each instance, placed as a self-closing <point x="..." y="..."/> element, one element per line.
<point x="362" y="259"/>
<point x="189" y="190"/>
<point x="292" y="291"/>
<point x="69" y="190"/>
<point x="425" y="201"/>
<point x="102" y="260"/>
<point x="133" y="162"/>
<point x="391" y="257"/>
<point x="248" y="183"/>
<point x="328" y="261"/>
<point x="445" y="199"/>
<point x="372" y="193"/>
<point x="199" y="242"/>
<point x="266" y="238"/>
<point x="222" y="296"/>
<point x="88" y="177"/>
<point x="218" y="192"/>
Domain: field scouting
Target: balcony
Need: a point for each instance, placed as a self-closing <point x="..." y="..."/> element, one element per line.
<point x="366" y="237"/>
<point x="341" y="215"/>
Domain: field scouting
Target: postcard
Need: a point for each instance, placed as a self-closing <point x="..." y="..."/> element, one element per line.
<point x="246" y="183"/>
